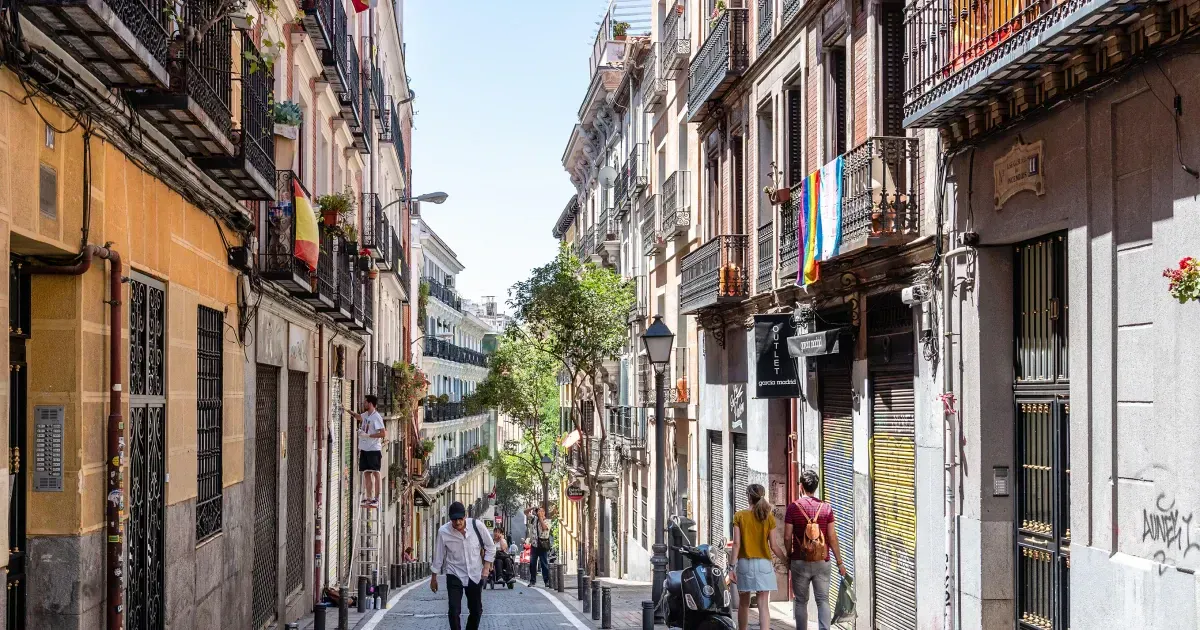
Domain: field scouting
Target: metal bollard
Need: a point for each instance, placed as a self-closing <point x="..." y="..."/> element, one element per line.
<point x="561" y="577"/>
<point x="647" y="614"/>
<point x="550" y="583"/>
<point x="585" y="593"/>
<point x="579" y="583"/>
<point x="402" y="574"/>
<point x="606" y="608"/>
<point x="343" y="608"/>
<point x="595" y="600"/>
<point x="362" y="593"/>
<point x="382" y="590"/>
<point x="319" y="616"/>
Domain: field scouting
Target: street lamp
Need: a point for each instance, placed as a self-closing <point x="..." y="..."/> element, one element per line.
<point x="547" y="466"/>
<point x="433" y="197"/>
<point x="658" y="340"/>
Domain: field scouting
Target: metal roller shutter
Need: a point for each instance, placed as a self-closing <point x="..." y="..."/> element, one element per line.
<point x="741" y="473"/>
<point x="333" y="518"/>
<point x="716" y="483"/>
<point x="837" y="457"/>
<point x="894" y="510"/>
<point x="349" y="428"/>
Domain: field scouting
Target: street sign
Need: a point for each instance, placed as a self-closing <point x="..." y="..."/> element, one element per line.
<point x="575" y="493"/>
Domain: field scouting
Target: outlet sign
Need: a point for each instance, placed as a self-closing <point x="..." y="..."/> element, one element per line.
<point x="775" y="376"/>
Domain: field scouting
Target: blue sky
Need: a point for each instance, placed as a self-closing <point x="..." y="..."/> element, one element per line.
<point x="498" y="85"/>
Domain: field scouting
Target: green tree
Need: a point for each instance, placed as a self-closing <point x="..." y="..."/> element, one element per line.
<point x="576" y="312"/>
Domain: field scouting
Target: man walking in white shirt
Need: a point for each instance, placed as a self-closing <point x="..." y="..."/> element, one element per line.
<point x="465" y="558"/>
<point x="371" y="433"/>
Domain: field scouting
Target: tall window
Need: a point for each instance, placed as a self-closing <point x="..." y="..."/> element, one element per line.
<point x="835" y="102"/>
<point x="209" y="394"/>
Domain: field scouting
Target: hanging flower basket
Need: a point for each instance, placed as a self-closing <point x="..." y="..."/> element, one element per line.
<point x="1185" y="280"/>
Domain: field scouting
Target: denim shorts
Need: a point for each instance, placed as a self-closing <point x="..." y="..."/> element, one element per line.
<point x="754" y="575"/>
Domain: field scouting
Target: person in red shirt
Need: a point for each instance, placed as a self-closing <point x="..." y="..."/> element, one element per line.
<point x="808" y="508"/>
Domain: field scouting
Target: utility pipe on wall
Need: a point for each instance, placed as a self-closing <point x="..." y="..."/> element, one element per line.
<point x="951" y="439"/>
<point x="115" y="453"/>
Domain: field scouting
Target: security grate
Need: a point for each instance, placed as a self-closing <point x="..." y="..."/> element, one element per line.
<point x="209" y="392"/>
<point x="716" y="487"/>
<point x="145" y="598"/>
<point x="266" y="495"/>
<point x="297" y="456"/>
<point x="333" y="538"/>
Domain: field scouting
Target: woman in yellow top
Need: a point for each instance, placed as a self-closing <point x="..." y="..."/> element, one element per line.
<point x="753" y="541"/>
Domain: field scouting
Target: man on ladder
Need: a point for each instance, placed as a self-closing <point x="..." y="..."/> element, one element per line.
<point x="371" y="434"/>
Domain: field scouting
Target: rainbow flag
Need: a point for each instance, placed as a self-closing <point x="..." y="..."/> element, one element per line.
<point x="307" y="248"/>
<point x="820" y="219"/>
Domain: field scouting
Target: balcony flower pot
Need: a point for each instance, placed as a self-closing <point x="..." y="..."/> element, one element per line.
<point x="291" y="132"/>
<point x="364" y="264"/>
<point x="373" y="273"/>
<point x="781" y="196"/>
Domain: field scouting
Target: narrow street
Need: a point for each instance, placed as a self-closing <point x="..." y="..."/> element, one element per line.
<point x="523" y="607"/>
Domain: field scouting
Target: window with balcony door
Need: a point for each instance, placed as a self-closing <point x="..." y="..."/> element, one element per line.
<point x="835" y="101"/>
<point x="712" y="193"/>
<point x="738" y="218"/>
<point x="766" y="159"/>
<point x="795" y="136"/>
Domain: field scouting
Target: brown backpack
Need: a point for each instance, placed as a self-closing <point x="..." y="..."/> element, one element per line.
<point x="812" y="540"/>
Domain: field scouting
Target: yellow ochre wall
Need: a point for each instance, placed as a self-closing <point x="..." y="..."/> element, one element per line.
<point x="156" y="233"/>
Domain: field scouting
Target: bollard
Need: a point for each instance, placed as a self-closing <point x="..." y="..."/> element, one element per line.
<point x="401" y="574"/>
<point x="585" y="593"/>
<point x="343" y="608"/>
<point x="647" y="615"/>
<point x="362" y="593"/>
<point x="606" y="608"/>
<point x="579" y="583"/>
<point x="561" y="573"/>
<point x="319" y="616"/>
<point x="383" y="589"/>
<point x="595" y="600"/>
<point x="550" y="585"/>
<point x="291" y="626"/>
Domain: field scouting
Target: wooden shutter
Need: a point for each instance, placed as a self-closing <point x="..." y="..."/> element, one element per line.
<point x="893" y="69"/>
<point x="795" y="142"/>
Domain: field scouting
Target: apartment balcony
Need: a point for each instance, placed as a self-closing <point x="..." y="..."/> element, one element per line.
<point x="653" y="242"/>
<point x="791" y="8"/>
<point x="319" y="21"/>
<point x="389" y="122"/>
<point x="627" y="425"/>
<point x="640" y="309"/>
<point x="375" y="237"/>
<point x="444" y="294"/>
<point x="379" y="381"/>
<point x="765" y="259"/>
<point x="451" y="468"/>
<point x="789" y="239"/>
<point x="644" y="377"/>
<point x="385" y="258"/>
<point x="676" y="204"/>
<point x="379" y="99"/>
<point x="344" y="255"/>
<point x="364" y="134"/>
<point x="766" y="24"/>
<point x="339" y="56"/>
<point x="714" y="274"/>
<point x="367" y="291"/>
<point x="722" y="58"/>
<point x="444" y="411"/>
<point x="249" y="174"/>
<point x="401" y="266"/>
<point x="124" y="42"/>
<point x="322" y="294"/>
<point x="962" y="54"/>
<point x="607" y="243"/>
<point x="356" y="321"/>
<point x="194" y="110"/>
<point x="349" y="94"/>
<point x="633" y="175"/>
<point x="587" y="244"/>
<point x="277" y="239"/>
<point x="441" y="349"/>
<point x="676" y="39"/>
<point x="679" y="392"/>
<point x="654" y="79"/>
<point x="880" y="203"/>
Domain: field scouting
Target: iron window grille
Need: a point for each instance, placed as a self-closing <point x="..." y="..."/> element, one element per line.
<point x="264" y="571"/>
<point x="296" y="459"/>
<point x="209" y="416"/>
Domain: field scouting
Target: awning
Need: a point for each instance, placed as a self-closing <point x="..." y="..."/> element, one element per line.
<point x="421" y="498"/>
<point x="818" y="343"/>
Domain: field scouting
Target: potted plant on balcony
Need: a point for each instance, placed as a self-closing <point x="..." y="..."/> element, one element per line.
<point x="776" y="192"/>
<point x="620" y="30"/>
<point x="718" y="10"/>
<point x="286" y="115"/>
<point x="408" y="387"/>
<point x="337" y="209"/>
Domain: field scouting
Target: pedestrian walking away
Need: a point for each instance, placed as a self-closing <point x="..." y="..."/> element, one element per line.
<point x="812" y="540"/>
<point x="541" y="548"/>
<point x="465" y="558"/>
<point x="754" y="541"/>
<point x="371" y="434"/>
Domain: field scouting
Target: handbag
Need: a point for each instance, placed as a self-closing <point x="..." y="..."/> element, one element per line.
<point x="844" y="610"/>
<point x="543" y="544"/>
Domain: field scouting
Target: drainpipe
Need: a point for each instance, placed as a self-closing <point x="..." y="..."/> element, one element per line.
<point x="951" y="439"/>
<point x="115" y="609"/>
<point x="319" y="438"/>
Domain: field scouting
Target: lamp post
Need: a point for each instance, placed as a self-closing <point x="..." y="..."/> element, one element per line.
<point x="658" y="340"/>
<point x="433" y="197"/>
<point x="547" y="466"/>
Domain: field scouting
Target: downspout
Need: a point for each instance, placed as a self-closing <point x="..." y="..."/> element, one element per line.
<point x="951" y="439"/>
<point x="318" y="496"/>
<point x="115" y="608"/>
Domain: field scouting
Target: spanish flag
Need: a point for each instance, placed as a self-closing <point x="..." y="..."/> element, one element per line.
<point x="363" y="5"/>
<point x="307" y="248"/>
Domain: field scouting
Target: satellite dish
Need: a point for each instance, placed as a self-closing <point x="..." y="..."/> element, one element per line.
<point x="608" y="175"/>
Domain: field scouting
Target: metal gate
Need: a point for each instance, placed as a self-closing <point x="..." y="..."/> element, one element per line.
<point x="1042" y="409"/>
<point x="741" y="473"/>
<point x="837" y="455"/>
<point x="347" y="467"/>
<point x="147" y="410"/>
<point x="716" y="483"/>
<point x="333" y="467"/>
<point x="266" y="493"/>
<point x="894" y="504"/>
<point x="18" y="451"/>
<point x="297" y="457"/>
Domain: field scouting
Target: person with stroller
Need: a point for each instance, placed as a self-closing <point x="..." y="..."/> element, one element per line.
<point x="505" y="572"/>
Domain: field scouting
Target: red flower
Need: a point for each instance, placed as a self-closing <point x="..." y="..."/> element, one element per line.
<point x="1185" y="262"/>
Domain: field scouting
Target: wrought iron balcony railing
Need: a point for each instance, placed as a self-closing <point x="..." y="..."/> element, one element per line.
<point x="379" y="99"/>
<point x="791" y="8"/>
<point x="633" y="176"/>
<point x="358" y="296"/>
<point x="637" y="312"/>
<point x="652" y="239"/>
<point x="318" y="22"/>
<point x="680" y="392"/>
<point x="375" y="238"/>
<point x="628" y="425"/>
<point x="385" y="256"/>
<point x="444" y="294"/>
<point x="676" y="39"/>
<point x="364" y="135"/>
<point x="277" y="238"/>
<point x="766" y="258"/>
<point x="345" y="255"/>
<point x="766" y="24"/>
<point x="880" y="203"/>
<point x="379" y="384"/>
<point x="124" y="42"/>
<point x="587" y="244"/>
<point x="444" y="411"/>
<point x="789" y="238"/>
<point x="368" y="301"/>
<point x="249" y="174"/>
<point x="714" y="274"/>
<point x="676" y="204"/>
<point x="606" y="228"/>
<point x="446" y="350"/>
<point x="654" y="79"/>
<point x="722" y="58"/>
<point x="401" y="265"/>
<point x="330" y="37"/>
<point x="348" y="83"/>
<point x="389" y="122"/>
<point x="194" y="110"/>
<point x="448" y="469"/>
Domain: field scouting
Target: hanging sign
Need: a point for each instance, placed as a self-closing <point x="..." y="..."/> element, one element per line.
<point x="421" y="499"/>
<point x="1019" y="170"/>
<point x="575" y="492"/>
<point x="817" y="344"/>
<point x="775" y="376"/>
<point x="737" y="407"/>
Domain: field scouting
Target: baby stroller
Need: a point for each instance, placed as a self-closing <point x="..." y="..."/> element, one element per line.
<point x="504" y="571"/>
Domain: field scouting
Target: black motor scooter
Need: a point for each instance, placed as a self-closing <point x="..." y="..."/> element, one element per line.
<point x="697" y="597"/>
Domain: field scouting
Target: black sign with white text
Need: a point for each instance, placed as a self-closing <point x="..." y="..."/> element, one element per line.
<point x="737" y="407"/>
<point x="776" y="374"/>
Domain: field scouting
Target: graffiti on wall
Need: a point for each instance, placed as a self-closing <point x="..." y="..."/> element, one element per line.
<point x="1168" y="530"/>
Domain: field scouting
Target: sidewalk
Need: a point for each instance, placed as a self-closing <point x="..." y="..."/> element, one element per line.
<point x="357" y="620"/>
<point x="627" y="598"/>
